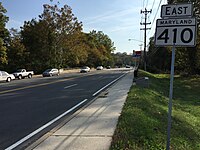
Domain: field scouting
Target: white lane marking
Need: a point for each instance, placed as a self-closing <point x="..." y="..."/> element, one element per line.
<point x="108" y="85"/>
<point x="70" y="86"/>
<point x="43" y="127"/>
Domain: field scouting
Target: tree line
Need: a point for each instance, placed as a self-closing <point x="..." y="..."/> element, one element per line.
<point x="55" y="39"/>
<point x="187" y="60"/>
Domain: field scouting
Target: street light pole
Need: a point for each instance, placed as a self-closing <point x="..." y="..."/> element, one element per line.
<point x="135" y="40"/>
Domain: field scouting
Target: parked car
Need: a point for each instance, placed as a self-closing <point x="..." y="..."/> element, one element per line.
<point x="100" y="68"/>
<point x="50" y="72"/>
<point x="85" y="69"/>
<point x="108" y="67"/>
<point x="128" y="66"/>
<point x="4" y="76"/>
<point x="22" y="73"/>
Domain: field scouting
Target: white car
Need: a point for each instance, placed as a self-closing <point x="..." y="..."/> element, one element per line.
<point x="85" y="69"/>
<point x="4" y="76"/>
<point x="100" y="68"/>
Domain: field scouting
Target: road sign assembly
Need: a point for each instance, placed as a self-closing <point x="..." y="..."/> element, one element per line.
<point x="176" y="28"/>
<point x="176" y="31"/>
<point x="137" y="53"/>
<point x="178" y="10"/>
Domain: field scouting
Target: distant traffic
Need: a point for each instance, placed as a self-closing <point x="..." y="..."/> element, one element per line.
<point x="23" y="73"/>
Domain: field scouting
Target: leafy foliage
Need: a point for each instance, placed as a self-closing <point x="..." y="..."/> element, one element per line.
<point x="47" y="40"/>
<point x="122" y="59"/>
<point x="187" y="58"/>
<point x="55" y="39"/>
<point x="16" y="51"/>
<point x="101" y="48"/>
<point x="3" y="36"/>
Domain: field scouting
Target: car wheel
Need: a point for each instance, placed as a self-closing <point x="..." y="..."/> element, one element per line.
<point x="30" y="76"/>
<point x="8" y="79"/>
<point x="20" y="77"/>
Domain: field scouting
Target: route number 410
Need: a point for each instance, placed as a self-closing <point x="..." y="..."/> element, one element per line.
<point x="175" y="36"/>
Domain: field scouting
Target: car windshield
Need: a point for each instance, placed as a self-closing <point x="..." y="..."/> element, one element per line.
<point x="48" y="70"/>
<point x="19" y="70"/>
<point x="4" y="73"/>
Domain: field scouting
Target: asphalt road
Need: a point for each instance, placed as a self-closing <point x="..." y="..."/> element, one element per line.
<point x="26" y="105"/>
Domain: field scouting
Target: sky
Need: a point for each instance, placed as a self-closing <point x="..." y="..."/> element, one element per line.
<point x="119" y="19"/>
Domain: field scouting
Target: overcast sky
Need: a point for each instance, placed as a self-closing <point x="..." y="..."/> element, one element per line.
<point x="119" y="19"/>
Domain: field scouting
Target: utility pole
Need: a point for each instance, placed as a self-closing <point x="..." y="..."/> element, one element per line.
<point x="145" y="32"/>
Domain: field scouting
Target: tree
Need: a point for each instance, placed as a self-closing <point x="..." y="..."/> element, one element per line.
<point x="101" y="47"/>
<point x="36" y="37"/>
<point x="158" y="58"/>
<point x="75" y="50"/>
<point x="122" y="59"/>
<point x="4" y="34"/>
<point x="64" y="25"/>
<point x="16" y="51"/>
<point x="46" y="39"/>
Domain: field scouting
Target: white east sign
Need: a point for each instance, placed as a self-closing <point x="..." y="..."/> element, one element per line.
<point x="179" y="10"/>
<point x="176" y="31"/>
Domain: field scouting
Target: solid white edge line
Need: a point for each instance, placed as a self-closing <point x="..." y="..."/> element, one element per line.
<point x="70" y="86"/>
<point x="43" y="127"/>
<point x="108" y="85"/>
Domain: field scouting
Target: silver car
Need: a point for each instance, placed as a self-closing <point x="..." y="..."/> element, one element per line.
<point x="50" y="72"/>
<point x="4" y="76"/>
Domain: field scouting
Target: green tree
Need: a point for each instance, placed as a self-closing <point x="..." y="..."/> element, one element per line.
<point x="16" y="52"/>
<point x="64" y="26"/>
<point x="122" y="59"/>
<point x="4" y="34"/>
<point x="45" y="39"/>
<point x="158" y="58"/>
<point x="75" y="50"/>
<point x="37" y="38"/>
<point x="101" y="47"/>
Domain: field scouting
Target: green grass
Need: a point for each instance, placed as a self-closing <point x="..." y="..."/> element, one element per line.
<point x="143" y="122"/>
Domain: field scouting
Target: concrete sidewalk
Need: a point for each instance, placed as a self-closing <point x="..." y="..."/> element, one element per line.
<point x="94" y="126"/>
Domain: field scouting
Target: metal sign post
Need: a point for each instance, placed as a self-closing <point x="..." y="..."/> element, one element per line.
<point x="170" y="98"/>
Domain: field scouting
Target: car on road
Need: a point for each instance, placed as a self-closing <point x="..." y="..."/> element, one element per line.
<point x="85" y="69"/>
<point x="100" y="68"/>
<point x="22" y="73"/>
<point x="4" y="76"/>
<point x="108" y="67"/>
<point x="51" y="72"/>
<point x="128" y="66"/>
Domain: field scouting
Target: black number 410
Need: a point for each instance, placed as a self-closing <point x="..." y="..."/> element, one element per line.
<point x="185" y="39"/>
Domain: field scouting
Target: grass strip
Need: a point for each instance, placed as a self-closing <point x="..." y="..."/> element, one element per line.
<point x="143" y="121"/>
